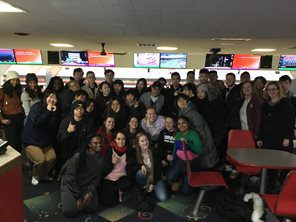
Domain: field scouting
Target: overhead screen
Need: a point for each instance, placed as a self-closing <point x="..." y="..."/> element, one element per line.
<point x="246" y="61"/>
<point x="287" y="62"/>
<point x="173" y="60"/>
<point x="28" y="56"/>
<point x="74" y="58"/>
<point x="7" y="56"/>
<point x="96" y="59"/>
<point x="219" y="61"/>
<point x="146" y="60"/>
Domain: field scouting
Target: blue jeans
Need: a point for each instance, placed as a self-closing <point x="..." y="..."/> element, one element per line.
<point x="176" y="172"/>
<point x="160" y="189"/>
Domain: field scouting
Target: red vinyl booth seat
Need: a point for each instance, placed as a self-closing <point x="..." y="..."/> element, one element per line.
<point x="284" y="203"/>
<point x="242" y="139"/>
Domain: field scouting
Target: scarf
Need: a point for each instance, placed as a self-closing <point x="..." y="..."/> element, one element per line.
<point x="119" y="150"/>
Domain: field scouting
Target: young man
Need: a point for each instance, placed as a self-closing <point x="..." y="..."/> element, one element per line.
<point x="190" y="77"/>
<point x="91" y="87"/>
<point x="154" y="98"/>
<point x="109" y="76"/>
<point x="213" y="91"/>
<point x="152" y="124"/>
<point x="78" y="76"/>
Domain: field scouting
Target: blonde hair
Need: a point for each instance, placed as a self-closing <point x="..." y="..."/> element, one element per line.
<point x="277" y="85"/>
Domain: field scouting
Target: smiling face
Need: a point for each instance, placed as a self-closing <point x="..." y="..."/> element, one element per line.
<point x="32" y="85"/>
<point x="151" y="115"/>
<point x="109" y="123"/>
<point x="14" y="82"/>
<point x="143" y="142"/>
<point x="182" y="103"/>
<point x="51" y="99"/>
<point x="95" y="144"/>
<point x="247" y="89"/>
<point x="115" y="105"/>
<point x="133" y="123"/>
<point x="273" y="91"/>
<point x="120" y="139"/>
<point x="183" y="125"/>
<point x="169" y="124"/>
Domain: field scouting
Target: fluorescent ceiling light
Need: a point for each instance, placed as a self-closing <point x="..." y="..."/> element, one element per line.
<point x="6" y="7"/>
<point x="167" y="48"/>
<point x="63" y="45"/>
<point x="232" y="39"/>
<point x="263" y="50"/>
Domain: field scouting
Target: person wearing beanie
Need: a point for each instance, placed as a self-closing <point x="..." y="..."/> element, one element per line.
<point x="73" y="131"/>
<point x="11" y="110"/>
<point x="154" y="98"/>
<point x="32" y="93"/>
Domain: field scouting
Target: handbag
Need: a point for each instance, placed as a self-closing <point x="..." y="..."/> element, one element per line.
<point x="181" y="149"/>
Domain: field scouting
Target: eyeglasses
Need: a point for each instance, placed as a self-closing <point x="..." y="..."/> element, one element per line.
<point x="79" y="108"/>
<point x="272" y="89"/>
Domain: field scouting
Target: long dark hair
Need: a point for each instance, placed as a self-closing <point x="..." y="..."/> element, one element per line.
<point x="34" y="93"/>
<point x="51" y="83"/>
<point x="104" y="131"/>
<point x="82" y="153"/>
<point x="10" y="90"/>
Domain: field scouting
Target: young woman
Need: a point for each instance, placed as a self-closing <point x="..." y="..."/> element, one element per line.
<point x="141" y="87"/>
<point x="248" y="109"/>
<point x="55" y="84"/>
<point x="148" y="176"/>
<point x="193" y="143"/>
<point x="118" y="89"/>
<point x="198" y="123"/>
<point x="103" y="97"/>
<point x="116" y="180"/>
<point x="32" y="93"/>
<point x="131" y="130"/>
<point x="116" y="109"/>
<point x="11" y="110"/>
<point x="82" y="177"/>
<point x="106" y="131"/>
<point x="39" y="136"/>
<point x="276" y="129"/>
<point x="166" y="141"/>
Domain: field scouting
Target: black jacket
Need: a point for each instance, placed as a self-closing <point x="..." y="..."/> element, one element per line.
<point x="40" y="128"/>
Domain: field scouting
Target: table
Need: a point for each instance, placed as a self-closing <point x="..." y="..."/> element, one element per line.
<point x="11" y="186"/>
<point x="263" y="158"/>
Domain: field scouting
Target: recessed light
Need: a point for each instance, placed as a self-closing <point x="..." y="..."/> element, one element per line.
<point x="227" y="43"/>
<point x="263" y="50"/>
<point x="21" y="33"/>
<point x="167" y="48"/>
<point x="63" y="45"/>
<point x="6" y="7"/>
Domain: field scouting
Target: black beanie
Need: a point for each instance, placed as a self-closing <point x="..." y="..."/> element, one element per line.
<point x="77" y="103"/>
<point x="31" y="77"/>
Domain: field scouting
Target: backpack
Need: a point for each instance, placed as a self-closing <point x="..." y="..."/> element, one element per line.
<point x="137" y="199"/>
<point x="230" y="205"/>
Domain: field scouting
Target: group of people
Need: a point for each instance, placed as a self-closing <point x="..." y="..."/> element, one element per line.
<point x="104" y="139"/>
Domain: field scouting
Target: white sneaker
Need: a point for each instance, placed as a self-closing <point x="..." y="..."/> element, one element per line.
<point x="34" y="181"/>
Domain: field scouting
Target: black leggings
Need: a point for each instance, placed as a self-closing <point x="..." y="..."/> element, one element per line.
<point x="110" y="189"/>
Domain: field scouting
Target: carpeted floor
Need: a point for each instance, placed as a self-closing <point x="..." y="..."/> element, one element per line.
<point x="42" y="204"/>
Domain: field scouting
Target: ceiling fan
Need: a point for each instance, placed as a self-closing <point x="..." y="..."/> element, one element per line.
<point x="103" y="51"/>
